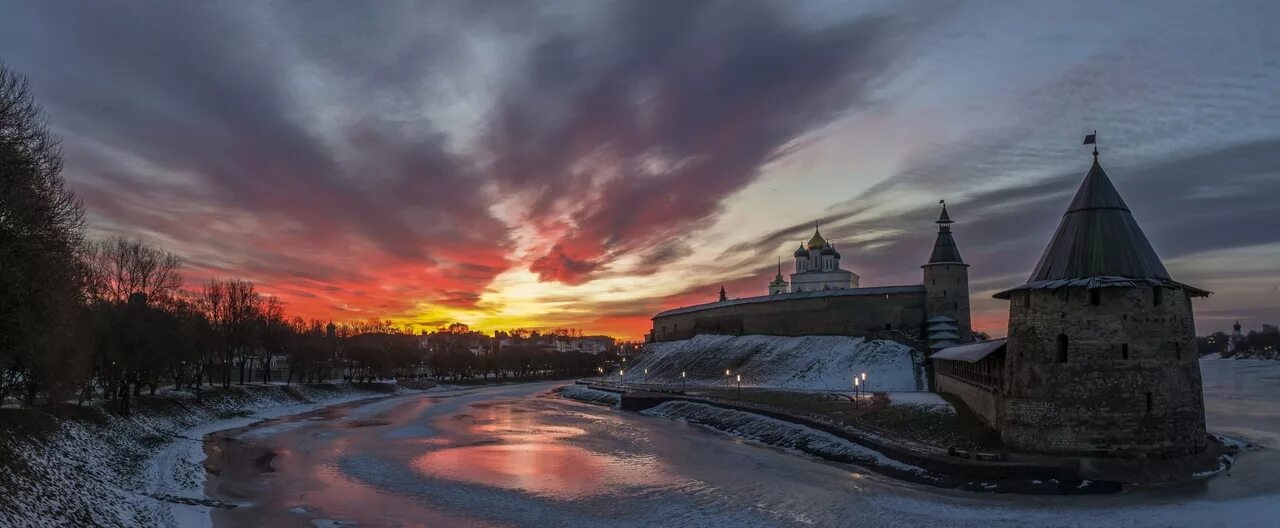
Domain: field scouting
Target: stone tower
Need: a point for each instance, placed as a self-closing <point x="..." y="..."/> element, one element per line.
<point x="1101" y="356"/>
<point x="946" y="286"/>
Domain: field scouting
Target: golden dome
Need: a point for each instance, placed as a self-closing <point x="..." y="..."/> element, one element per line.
<point x="817" y="242"/>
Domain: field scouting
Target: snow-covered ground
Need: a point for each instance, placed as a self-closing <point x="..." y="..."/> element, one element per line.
<point x="774" y="432"/>
<point x="798" y="363"/>
<point x="144" y="469"/>
<point x="590" y="395"/>
<point x="929" y="400"/>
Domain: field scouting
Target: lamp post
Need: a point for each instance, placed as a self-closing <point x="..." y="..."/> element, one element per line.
<point x="864" y="381"/>
<point x="683" y="382"/>
<point x="739" y="386"/>
<point x="619" y="378"/>
<point x="855" y="391"/>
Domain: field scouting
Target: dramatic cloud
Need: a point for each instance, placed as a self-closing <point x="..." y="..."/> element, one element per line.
<point x="590" y="163"/>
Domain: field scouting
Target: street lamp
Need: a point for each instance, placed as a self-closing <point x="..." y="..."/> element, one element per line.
<point x="619" y="378"/>
<point x="855" y="391"/>
<point x="739" y="386"/>
<point x="682" y="381"/>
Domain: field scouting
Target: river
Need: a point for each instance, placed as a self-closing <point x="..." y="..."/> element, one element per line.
<point x="516" y="455"/>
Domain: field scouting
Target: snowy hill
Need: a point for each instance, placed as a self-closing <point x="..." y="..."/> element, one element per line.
<point x="800" y="363"/>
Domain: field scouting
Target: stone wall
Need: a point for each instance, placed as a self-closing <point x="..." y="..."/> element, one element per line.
<point x="947" y="293"/>
<point x="980" y="400"/>
<point x="1126" y="379"/>
<point x="862" y="312"/>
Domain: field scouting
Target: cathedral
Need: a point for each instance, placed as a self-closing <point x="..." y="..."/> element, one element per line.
<point x="817" y="269"/>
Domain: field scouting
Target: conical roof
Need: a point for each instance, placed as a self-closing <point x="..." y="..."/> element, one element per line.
<point x="944" y="247"/>
<point x="1098" y="237"/>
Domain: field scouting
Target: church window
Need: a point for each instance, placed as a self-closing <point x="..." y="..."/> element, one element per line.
<point x="935" y="282"/>
<point x="944" y="293"/>
<point x="1026" y="300"/>
<point x="1095" y="296"/>
<point x="1157" y="295"/>
<point x="1177" y="350"/>
<point x="1124" y="351"/>
<point x="1148" y="402"/>
<point x="1062" y="348"/>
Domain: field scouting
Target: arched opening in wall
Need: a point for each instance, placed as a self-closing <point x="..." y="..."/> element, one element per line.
<point x="1062" y="348"/>
<point x="1148" y="402"/>
<point x="888" y="326"/>
<point x="944" y="293"/>
<point x="1124" y="351"/>
<point x="1157" y="295"/>
<point x="935" y="282"/>
<point x="1095" y="296"/>
<point x="1177" y="350"/>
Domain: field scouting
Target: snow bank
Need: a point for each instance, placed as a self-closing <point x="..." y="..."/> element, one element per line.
<point x="778" y="433"/>
<point x="587" y="394"/>
<point x="97" y="469"/>
<point x="797" y="363"/>
<point x="928" y="400"/>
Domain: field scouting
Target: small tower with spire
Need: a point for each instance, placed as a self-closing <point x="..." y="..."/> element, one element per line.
<point x="946" y="286"/>
<point x="723" y="297"/>
<point x="779" y="285"/>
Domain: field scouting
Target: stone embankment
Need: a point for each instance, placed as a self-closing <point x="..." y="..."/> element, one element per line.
<point x="978" y="470"/>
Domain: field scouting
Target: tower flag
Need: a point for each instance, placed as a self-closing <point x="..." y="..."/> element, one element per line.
<point x="1092" y="139"/>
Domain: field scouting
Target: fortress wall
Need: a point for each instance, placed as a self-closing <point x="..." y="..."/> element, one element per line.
<point x="848" y="315"/>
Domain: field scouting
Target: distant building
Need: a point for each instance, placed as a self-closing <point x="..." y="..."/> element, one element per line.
<point x="1101" y="354"/>
<point x="1237" y="340"/>
<point x="825" y="299"/>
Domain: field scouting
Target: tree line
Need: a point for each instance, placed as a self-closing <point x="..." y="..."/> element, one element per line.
<point x="85" y="319"/>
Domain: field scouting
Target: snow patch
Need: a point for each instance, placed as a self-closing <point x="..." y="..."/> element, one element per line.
<point x="928" y="400"/>
<point x="775" y="432"/>
<point x="587" y="394"/>
<point x="797" y="363"/>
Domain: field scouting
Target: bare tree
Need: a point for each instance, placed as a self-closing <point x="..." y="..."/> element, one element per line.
<point x="120" y="267"/>
<point x="41" y="234"/>
<point x="232" y="308"/>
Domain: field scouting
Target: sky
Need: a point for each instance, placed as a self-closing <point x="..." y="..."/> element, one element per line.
<point x="587" y="164"/>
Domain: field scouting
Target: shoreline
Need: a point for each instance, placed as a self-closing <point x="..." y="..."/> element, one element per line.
<point x="188" y="450"/>
<point x="880" y="453"/>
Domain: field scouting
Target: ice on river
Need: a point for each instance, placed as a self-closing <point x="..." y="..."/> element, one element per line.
<point x="509" y="456"/>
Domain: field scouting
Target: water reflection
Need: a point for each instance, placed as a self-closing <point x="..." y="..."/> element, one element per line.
<point x="517" y="450"/>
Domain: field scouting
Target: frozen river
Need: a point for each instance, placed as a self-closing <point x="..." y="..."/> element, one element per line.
<point x="516" y="456"/>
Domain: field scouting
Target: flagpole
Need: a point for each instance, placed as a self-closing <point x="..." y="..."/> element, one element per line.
<point x="1095" y="145"/>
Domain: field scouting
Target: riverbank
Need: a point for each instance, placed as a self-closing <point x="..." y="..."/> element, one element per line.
<point x="82" y="466"/>
<point x="831" y="427"/>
